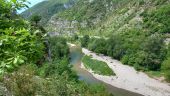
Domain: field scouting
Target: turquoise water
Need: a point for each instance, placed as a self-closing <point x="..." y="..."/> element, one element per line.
<point x="76" y="56"/>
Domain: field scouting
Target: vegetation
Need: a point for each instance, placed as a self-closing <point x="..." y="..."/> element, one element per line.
<point x="96" y="66"/>
<point x="53" y="78"/>
<point x="85" y="40"/>
<point x="35" y="19"/>
<point x="89" y="11"/>
<point x="18" y="44"/>
<point x="135" y="31"/>
<point x="157" y="20"/>
<point x="24" y="69"/>
<point x="133" y="48"/>
<point x="166" y="65"/>
<point x="59" y="48"/>
<point x="46" y="9"/>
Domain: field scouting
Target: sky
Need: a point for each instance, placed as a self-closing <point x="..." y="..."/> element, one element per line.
<point x="33" y="2"/>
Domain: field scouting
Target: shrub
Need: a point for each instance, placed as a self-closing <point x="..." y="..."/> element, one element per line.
<point x="19" y="47"/>
<point x="85" y="41"/>
<point x="58" y="47"/>
<point x="98" y="46"/>
<point x="21" y="83"/>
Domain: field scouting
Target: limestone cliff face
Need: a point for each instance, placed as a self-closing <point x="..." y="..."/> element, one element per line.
<point x="85" y="13"/>
<point x="60" y="26"/>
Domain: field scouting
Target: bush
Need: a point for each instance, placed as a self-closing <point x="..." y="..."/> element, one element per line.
<point x="57" y="67"/>
<point x="58" y="47"/>
<point x="166" y="65"/>
<point x="18" y="44"/>
<point x="157" y="21"/>
<point x="19" y="47"/>
<point x="21" y="83"/>
<point x="98" y="46"/>
<point x="85" y="41"/>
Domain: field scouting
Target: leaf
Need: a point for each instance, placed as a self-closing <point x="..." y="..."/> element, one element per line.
<point x="1" y="71"/>
<point x="15" y="60"/>
<point x="1" y="42"/>
<point x="21" y="61"/>
<point x="2" y="64"/>
<point x="14" y="1"/>
<point x="9" y="67"/>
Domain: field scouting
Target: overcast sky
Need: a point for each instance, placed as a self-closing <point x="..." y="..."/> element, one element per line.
<point x="33" y="2"/>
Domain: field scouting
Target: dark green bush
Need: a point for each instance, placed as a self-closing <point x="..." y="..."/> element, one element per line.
<point x="98" y="46"/>
<point x="85" y="41"/>
<point x="58" y="47"/>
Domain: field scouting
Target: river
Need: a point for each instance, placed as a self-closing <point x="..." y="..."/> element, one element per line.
<point x="76" y="55"/>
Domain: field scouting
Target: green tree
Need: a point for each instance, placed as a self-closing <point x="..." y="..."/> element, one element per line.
<point x="36" y="19"/>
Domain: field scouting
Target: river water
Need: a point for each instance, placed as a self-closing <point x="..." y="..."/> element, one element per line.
<point x="76" y="55"/>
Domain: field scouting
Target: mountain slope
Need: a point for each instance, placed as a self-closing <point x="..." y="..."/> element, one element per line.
<point x="136" y="29"/>
<point x="110" y="16"/>
<point x="48" y="8"/>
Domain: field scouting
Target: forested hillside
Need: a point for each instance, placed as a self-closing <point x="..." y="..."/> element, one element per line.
<point x="47" y="8"/>
<point x="134" y="31"/>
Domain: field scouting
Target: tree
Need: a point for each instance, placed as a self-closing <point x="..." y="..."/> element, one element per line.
<point x="36" y="19"/>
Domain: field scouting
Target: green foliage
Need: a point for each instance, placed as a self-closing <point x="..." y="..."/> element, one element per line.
<point x="98" y="67"/>
<point x="57" y="67"/>
<point x="157" y="20"/>
<point x="58" y="47"/>
<point x="166" y="65"/>
<point x="87" y="12"/>
<point x="85" y="40"/>
<point x="21" y="83"/>
<point x="19" y="47"/>
<point x="133" y="48"/>
<point x="75" y="37"/>
<point x="24" y="82"/>
<point x="22" y="44"/>
<point x="17" y="43"/>
<point x="8" y="16"/>
<point x="98" y="46"/>
<point x="166" y="68"/>
<point x="46" y="9"/>
<point x="35" y="19"/>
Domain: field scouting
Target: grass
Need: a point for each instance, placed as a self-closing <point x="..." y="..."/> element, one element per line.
<point x="155" y="73"/>
<point x="98" y="67"/>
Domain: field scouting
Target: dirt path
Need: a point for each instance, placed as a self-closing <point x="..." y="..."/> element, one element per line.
<point x="128" y="78"/>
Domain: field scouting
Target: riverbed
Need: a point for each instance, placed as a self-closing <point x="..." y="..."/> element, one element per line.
<point x="76" y="55"/>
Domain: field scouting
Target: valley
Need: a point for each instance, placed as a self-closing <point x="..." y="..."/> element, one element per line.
<point x="85" y="48"/>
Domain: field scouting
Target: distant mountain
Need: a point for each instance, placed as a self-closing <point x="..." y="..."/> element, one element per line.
<point x="48" y="8"/>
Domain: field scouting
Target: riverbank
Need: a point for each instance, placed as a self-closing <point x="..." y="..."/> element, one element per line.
<point x="83" y="75"/>
<point x="128" y="78"/>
